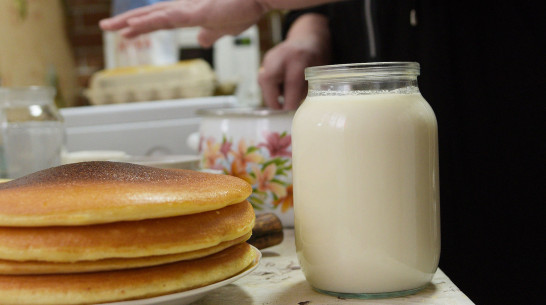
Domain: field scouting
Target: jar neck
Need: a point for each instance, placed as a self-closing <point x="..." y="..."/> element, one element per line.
<point x="362" y="86"/>
<point x="26" y="96"/>
<point x="365" y="78"/>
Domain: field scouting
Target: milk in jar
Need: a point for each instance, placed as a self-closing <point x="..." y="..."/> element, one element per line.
<point x="366" y="189"/>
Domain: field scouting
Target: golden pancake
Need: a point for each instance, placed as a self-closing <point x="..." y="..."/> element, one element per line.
<point x="148" y="237"/>
<point x="101" y="192"/>
<point x="40" y="267"/>
<point x="110" y="286"/>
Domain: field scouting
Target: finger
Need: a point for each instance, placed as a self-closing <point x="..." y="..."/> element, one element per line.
<point x="272" y="75"/>
<point x="295" y="87"/>
<point x="206" y="38"/>
<point x="120" y="21"/>
<point x="270" y="88"/>
<point x="148" y="23"/>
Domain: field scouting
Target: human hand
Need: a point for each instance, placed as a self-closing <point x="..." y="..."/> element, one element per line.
<point x="282" y="72"/>
<point x="217" y="18"/>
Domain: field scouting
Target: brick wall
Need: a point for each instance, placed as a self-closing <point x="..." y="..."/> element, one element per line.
<point x="86" y="37"/>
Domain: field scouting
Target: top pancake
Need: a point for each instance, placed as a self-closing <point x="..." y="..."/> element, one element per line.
<point x="101" y="192"/>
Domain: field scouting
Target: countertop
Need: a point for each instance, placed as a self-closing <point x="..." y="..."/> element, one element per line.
<point x="278" y="280"/>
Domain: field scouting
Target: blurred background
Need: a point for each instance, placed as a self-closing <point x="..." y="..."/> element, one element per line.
<point x="59" y="43"/>
<point x="98" y="76"/>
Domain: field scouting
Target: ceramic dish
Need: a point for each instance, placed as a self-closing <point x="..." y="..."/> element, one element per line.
<point x="167" y="161"/>
<point x="93" y="155"/>
<point x="161" y="161"/>
<point x="190" y="296"/>
<point x="254" y="144"/>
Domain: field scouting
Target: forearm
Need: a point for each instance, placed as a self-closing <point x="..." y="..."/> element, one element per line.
<point x="313" y="28"/>
<point x="310" y="24"/>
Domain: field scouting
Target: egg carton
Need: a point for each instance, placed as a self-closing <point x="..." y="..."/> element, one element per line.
<point x="186" y="79"/>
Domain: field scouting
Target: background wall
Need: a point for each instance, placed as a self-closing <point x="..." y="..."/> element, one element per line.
<point x="34" y="49"/>
<point x="85" y="37"/>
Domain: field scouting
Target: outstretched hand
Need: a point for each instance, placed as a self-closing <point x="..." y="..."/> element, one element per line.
<point x="217" y="18"/>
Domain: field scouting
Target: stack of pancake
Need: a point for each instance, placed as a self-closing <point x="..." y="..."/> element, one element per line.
<point x="97" y="232"/>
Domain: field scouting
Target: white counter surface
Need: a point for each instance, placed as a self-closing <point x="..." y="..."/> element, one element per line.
<point x="279" y="281"/>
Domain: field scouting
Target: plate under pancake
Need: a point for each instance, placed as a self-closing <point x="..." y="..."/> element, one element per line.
<point x="110" y="286"/>
<point x="101" y="192"/>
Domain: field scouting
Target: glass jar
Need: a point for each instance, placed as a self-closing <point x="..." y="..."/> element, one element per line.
<point x="366" y="189"/>
<point x="32" y="131"/>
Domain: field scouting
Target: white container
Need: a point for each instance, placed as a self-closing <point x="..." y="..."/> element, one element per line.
<point x="366" y="190"/>
<point x="253" y="144"/>
<point x="138" y="129"/>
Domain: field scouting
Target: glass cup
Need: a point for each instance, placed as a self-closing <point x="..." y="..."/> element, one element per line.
<point x="32" y="131"/>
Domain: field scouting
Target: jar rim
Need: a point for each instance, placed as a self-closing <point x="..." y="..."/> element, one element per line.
<point x="242" y="112"/>
<point x="47" y="89"/>
<point x="24" y="96"/>
<point x="370" y="69"/>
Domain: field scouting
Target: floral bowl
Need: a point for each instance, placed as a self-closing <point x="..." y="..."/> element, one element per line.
<point x="253" y="144"/>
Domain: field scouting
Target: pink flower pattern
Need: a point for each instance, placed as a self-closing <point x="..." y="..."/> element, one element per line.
<point x="245" y="155"/>
<point x="265" y="180"/>
<point x="266" y="166"/>
<point x="211" y="154"/>
<point x="277" y="144"/>
<point x="225" y="148"/>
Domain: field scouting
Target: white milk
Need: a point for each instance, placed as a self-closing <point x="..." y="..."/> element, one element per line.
<point x="366" y="192"/>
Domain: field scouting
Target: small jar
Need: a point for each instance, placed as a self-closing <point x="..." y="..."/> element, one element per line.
<point x="366" y="189"/>
<point x="32" y="131"/>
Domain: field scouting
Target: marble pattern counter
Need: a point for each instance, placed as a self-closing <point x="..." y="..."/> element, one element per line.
<point x="279" y="281"/>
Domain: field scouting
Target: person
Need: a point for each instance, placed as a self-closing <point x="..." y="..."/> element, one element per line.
<point x="217" y="18"/>
<point x="482" y="72"/>
<point x="283" y="65"/>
